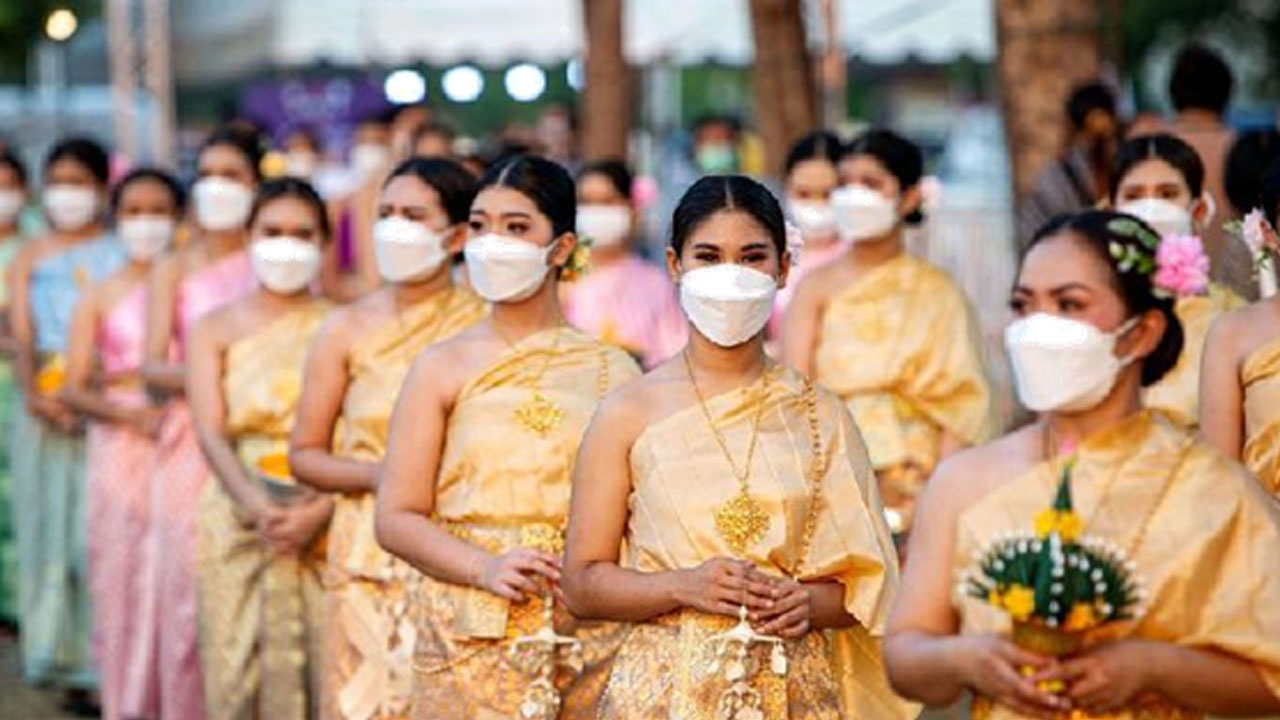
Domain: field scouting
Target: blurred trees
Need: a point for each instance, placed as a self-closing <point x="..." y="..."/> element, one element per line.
<point x="605" y="108"/>
<point x="782" y="80"/>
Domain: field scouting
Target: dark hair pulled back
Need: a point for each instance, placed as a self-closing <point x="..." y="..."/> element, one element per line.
<point x="716" y="193"/>
<point x="544" y="182"/>
<point x="452" y="182"/>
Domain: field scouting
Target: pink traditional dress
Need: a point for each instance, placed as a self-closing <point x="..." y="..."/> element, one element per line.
<point x="120" y="461"/>
<point x="176" y="487"/>
<point x="629" y="303"/>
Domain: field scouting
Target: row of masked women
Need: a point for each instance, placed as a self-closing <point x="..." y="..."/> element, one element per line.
<point x="242" y="565"/>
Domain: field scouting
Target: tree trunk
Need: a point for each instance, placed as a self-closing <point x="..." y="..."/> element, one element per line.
<point x="1045" y="50"/>
<point x="782" y="78"/>
<point x="605" y="107"/>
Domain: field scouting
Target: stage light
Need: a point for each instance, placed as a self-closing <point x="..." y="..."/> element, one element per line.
<point x="405" y="87"/>
<point x="463" y="84"/>
<point x="525" y="82"/>
<point x="61" y="25"/>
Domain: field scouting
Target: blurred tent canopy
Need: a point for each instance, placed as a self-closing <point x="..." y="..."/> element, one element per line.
<point x="234" y="37"/>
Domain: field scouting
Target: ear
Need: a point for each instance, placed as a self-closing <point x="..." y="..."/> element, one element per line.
<point x="455" y="237"/>
<point x="1144" y="337"/>
<point x="784" y="268"/>
<point x="910" y="201"/>
<point x="1203" y="210"/>
<point x="564" y="248"/>
<point x="673" y="265"/>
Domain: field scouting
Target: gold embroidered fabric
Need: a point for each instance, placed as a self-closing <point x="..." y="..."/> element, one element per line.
<point x="1207" y="558"/>
<point x="260" y="612"/>
<point x="502" y="486"/>
<point x="1177" y="394"/>
<point x="369" y="630"/>
<point x="902" y="349"/>
<point x="1261" y="379"/>
<point x="679" y="479"/>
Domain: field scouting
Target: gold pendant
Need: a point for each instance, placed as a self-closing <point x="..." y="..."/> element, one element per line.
<point x="741" y="522"/>
<point x="538" y="414"/>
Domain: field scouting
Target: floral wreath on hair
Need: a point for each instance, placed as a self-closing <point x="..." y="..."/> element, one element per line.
<point x="1258" y="234"/>
<point x="1176" y="264"/>
<point x="579" y="262"/>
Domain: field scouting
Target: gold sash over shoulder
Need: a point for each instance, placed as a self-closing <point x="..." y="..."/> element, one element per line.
<point x="1200" y="556"/>
<point x="503" y="486"/>
<point x="680" y="477"/>
<point x="370" y="633"/>
<point x="901" y="347"/>
<point x="1261" y="379"/>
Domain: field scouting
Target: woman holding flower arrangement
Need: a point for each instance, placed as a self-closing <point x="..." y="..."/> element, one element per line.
<point x="1240" y="385"/>
<point x="1100" y="561"/>
<point x="1160" y="179"/>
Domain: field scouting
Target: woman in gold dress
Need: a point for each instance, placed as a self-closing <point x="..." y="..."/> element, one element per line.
<point x="893" y="336"/>
<point x="474" y="488"/>
<point x="725" y="505"/>
<point x="259" y="535"/>
<point x="353" y="375"/>
<point x="1160" y="179"/>
<point x="1091" y="332"/>
<point x="1240" y="384"/>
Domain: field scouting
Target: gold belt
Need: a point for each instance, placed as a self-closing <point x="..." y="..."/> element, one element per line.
<point x="1148" y="708"/>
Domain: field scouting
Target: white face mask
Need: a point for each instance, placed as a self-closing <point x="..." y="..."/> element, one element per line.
<point x="301" y="164"/>
<point x="406" y="251"/>
<point x="1063" y="365"/>
<point x="145" y="236"/>
<point x="11" y="203"/>
<point x="605" y="225"/>
<point x="70" y="207"/>
<point x="284" y="265"/>
<point x="504" y="269"/>
<point x="221" y="204"/>
<point x="728" y="303"/>
<point x="815" y="219"/>
<point x="368" y="159"/>
<point x="862" y="213"/>
<point x="1164" y="216"/>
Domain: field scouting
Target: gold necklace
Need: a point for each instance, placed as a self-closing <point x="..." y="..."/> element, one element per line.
<point x="538" y="414"/>
<point x="741" y="522"/>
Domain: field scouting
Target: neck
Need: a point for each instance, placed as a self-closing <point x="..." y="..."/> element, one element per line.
<point x="605" y="256"/>
<point x="540" y="311"/>
<point x="405" y="294"/>
<point x="278" y="301"/>
<point x="1123" y="402"/>
<point x="1199" y="116"/>
<point x="223" y="241"/>
<point x="870" y="253"/>
<point x="737" y="365"/>
<point x="87" y="232"/>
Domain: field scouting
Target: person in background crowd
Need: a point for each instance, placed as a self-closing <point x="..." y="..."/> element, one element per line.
<point x="1200" y="90"/>
<point x="621" y="299"/>
<point x="49" y="276"/>
<point x="715" y="144"/>
<point x="474" y="489"/>
<point x="893" y="336"/>
<point x="723" y="486"/>
<point x="406" y="120"/>
<point x="811" y="176"/>
<point x="1081" y="175"/>
<point x="371" y="146"/>
<point x="556" y="136"/>
<point x="433" y="140"/>
<point x="1092" y="329"/>
<point x="212" y="269"/>
<point x="104" y="362"/>
<point x="302" y="153"/>
<point x="353" y="375"/>
<point x="260" y="535"/>
<point x="1240" y="381"/>
<point x="1159" y="179"/>
<point x="13" y="198"/>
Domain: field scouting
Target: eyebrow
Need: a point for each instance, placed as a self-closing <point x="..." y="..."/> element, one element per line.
<point x="756" y="246"/>
<point x="1024" y="290"/>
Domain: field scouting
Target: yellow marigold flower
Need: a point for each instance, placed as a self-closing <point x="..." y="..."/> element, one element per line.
<point x="994" y="599"/>
<point x="52" y="376"/>
<point x="1046" y="523"/>
<point x="275" y="465"/>
<point x="1020" y="601"/>
<point x="1081" y="617"/>
<point x="1070" y="527"/>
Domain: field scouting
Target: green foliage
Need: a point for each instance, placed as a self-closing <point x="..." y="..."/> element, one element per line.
<point x="22" y="26"/>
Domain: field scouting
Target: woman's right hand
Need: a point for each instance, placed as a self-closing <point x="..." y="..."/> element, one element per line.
<point x="147" y="421"/>
<point x="720" y="586"/>
<point x="997" y="669"/>
<point x="514" y="574"/>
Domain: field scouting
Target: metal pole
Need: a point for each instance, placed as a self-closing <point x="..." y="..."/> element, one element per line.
<point x="159" y="79"/>
<point x="124" y="65"/>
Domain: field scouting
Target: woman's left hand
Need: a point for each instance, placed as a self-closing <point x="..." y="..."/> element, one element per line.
<point x="1106" y="677"/>
<point x="789" y="616"/>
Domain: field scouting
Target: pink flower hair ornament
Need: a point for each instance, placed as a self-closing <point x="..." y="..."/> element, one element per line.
<point x="1176" y="264"/>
